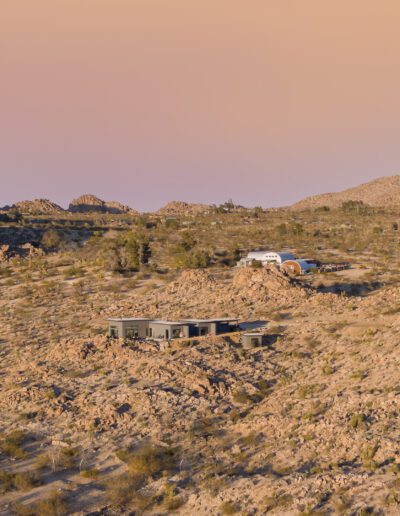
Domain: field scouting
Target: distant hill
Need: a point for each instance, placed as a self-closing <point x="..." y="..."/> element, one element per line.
<point x="384" y="191"/>
<point x="183" y="208"/>
<point x="89" y="203"/>
<point x="37" y="207"/>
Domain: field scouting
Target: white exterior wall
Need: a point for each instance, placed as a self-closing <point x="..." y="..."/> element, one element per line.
<point x="269" y="257"/>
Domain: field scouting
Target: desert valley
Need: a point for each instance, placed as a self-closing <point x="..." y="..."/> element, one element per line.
<point x="306" y="423"/>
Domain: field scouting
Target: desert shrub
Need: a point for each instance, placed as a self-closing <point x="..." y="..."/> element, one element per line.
<point x="171" y="501"/>
<point x="124" y="489"/>
<point x="52" y="239"/>
<point x="341" y="503"/>
<point x="152" y="460"/>
<point x="242" y="397"/>
<point x="90" y="473"/>
<point x="277" y="500"/>
<point x="327" y="369"/>
<point x="22" y="481"/>
<point x="10" y="444"/>
<point x="305" y="391"/>
<point x="196" y="259"/>
<point x="58" y="459"/>
<point x="228" y="508"/>
<point x="357" y="421"/>
<point x="6" y="482"/>
<point x="359" y="375"/>
<point x="26" y="480"/>
<point x="367" y="455"/>
<point x="74" y="272"/>
<point x="54" y="505"/>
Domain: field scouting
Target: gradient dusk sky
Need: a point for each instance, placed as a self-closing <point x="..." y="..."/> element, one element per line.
<point x="147" y="101"/>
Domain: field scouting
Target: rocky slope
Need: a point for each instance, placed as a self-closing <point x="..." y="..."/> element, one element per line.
<point x="202" y="294"/>
<point x="384" y="191"/>
<point x="37" y="207"/>
<point x="305" y="425"/>
<point x="183" y="208"/>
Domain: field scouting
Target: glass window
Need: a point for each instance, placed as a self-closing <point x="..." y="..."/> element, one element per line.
<point x="176" y="333"/>
<point x="132" y="332"/>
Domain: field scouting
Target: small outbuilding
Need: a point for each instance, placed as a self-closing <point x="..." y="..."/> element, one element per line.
<point x="251" y="340"/>
<point x="299" y="267"/>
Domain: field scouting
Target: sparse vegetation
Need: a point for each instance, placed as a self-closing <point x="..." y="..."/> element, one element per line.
<point x="199" y="423"/>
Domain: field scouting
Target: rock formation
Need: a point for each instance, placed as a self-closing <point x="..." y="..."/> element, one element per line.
<point x="89" y="203"/>
<point x="384" y="191"/>
<point x="37" y="207"/>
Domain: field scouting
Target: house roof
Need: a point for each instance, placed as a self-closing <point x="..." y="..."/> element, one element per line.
<point x="170" y="323"/>
<point x="284" y="255"/>
<point x="127" y="319"/>
<point x="222" y="319"/>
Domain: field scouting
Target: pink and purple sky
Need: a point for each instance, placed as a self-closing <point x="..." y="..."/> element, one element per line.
<point x="146" y="101"/>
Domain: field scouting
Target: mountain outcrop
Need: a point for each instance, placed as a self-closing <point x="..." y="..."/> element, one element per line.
<point x="183" y="208"/>
<point x="384" y="191"/>
<point x="37" y="207"/>
<point x="89" y="203"/>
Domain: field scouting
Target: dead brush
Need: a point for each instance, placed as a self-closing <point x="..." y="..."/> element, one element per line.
<point x="150" y="460"/>
<point x="11" y="444"/>
<point x="54" y="505"/>
<point x="21" y="481"/>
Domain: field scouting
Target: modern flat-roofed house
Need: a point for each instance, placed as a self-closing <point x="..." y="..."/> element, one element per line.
<point x="265" y="257"/>
<point x="200" y="327"/>
<point x="168" y="330"/>
<point x="128" y="327"/>
<point x="138" y="328"/>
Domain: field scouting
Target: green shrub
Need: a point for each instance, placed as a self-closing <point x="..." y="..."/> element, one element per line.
<point x="357" y="421"/>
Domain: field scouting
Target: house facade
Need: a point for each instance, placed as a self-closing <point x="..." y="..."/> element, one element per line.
<point x="137" y="328"/>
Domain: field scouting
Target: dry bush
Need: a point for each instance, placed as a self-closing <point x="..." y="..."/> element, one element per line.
<point x="54" y="505"/>
<point x="10" y="444"/>
<point x="22" y="481"/>
<point x="58" y="459"/>
<point x="124" y="490"/>
<point x="90" y="473"/>
<point x="228" y="508"/>
<point x="152" y="460"/>
<point x="171" y="501"/>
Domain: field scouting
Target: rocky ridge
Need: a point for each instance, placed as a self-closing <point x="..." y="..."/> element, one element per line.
<point x="37" y="207"/>
<point x="384" y="191"/>
<point x="183" y="208"/>
<point x="89" y="203"/>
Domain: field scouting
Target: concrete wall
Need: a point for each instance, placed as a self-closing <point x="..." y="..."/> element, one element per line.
<point x="134" y="329"/>
<point x="159" y="330"/>
<point x="251" y="341"/>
